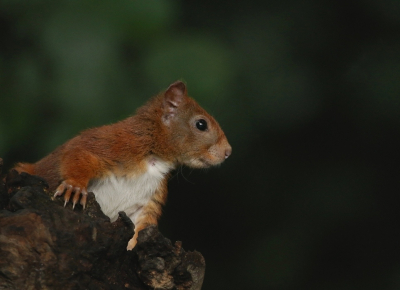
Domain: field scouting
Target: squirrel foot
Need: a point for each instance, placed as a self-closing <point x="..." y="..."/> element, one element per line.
<point x="79" y="193"/>
<point x="132" y="242"/>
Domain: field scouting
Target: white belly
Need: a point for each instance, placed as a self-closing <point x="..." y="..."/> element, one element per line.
<point x="129" y="194"/>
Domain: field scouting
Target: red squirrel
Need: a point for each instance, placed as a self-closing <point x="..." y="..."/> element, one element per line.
<point x="126" y="165"/>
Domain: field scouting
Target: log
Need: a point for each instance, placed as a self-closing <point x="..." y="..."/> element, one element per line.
<point x="46" y="246"/>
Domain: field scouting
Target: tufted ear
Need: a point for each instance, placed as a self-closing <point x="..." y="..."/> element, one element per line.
<point x="173" y="97"/>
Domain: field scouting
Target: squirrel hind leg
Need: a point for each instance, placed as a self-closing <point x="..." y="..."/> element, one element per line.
<point x="25" y="167"/>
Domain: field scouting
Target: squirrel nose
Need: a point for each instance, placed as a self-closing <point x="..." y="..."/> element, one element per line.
<point x="228" y="152"/>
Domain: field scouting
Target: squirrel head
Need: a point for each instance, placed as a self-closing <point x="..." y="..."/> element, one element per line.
<point x="193" y="135"/>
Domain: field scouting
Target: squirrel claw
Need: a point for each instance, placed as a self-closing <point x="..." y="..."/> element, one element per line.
<point x="76" y="196"/>
<point x="79" y="193"/>
<point x="83" y="199"/>
<point x="60" y="189"/>
<point x="67" y="194"/>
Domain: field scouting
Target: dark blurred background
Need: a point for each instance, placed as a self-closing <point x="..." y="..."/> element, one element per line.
<point x="308" y="93"/>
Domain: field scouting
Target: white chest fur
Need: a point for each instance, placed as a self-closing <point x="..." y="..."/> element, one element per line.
<point x="129" y="194"/>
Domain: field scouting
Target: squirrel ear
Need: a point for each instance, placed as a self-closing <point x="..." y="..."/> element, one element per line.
<point x="175" y="93"/>
<point x="173" y="97"/>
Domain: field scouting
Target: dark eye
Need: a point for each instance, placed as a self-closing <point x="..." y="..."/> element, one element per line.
<point x="201" y="124"/>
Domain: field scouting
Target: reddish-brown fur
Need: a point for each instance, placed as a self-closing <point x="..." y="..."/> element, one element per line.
<point x="164" y="127"/>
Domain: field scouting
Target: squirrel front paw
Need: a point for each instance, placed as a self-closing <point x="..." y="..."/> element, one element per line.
<point x="68" y="187"/>
<point x="132" y="242"/>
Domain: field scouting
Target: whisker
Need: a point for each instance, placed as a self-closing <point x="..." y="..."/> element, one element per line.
<point x="185" y="176"/>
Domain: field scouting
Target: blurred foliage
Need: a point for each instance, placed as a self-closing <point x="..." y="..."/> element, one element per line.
<point x="307" y="92"/>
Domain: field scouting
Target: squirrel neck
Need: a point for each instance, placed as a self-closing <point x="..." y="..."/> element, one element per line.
<point x="149" y="135"/>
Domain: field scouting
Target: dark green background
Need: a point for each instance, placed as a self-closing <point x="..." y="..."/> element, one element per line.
<point x="308" y="93"/>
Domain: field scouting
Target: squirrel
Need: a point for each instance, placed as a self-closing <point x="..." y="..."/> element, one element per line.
<point x="127" y="164"/>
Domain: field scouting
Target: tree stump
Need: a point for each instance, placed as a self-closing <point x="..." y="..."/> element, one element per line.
<point x="46" y="246"/>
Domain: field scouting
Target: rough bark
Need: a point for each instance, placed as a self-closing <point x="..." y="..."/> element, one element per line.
<point x="46" y="246"/>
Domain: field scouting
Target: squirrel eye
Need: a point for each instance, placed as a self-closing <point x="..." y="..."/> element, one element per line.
<point x="201" y="124"/>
